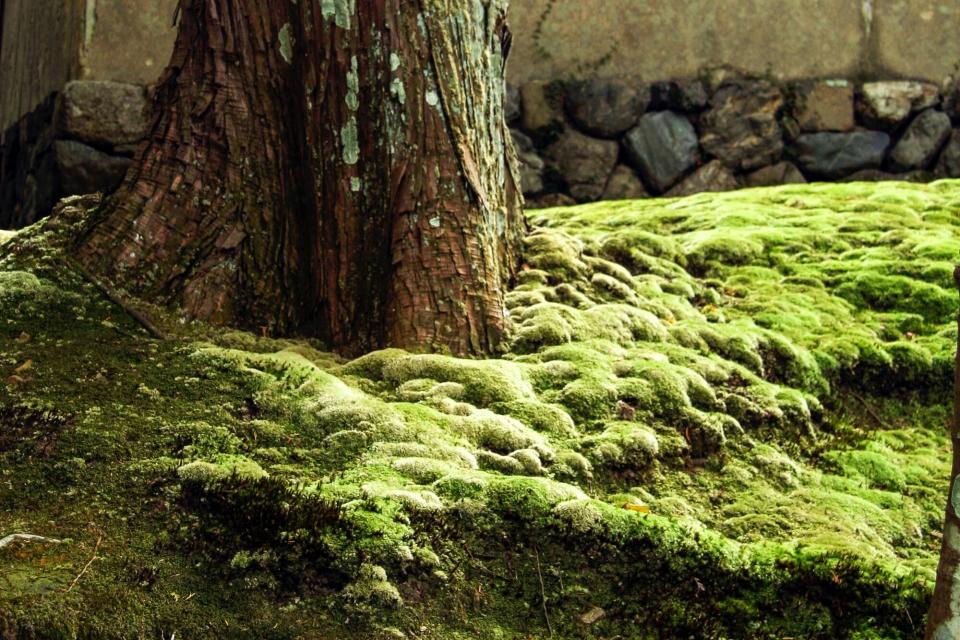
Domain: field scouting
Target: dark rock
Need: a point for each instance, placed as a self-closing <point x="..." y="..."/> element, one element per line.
<point x="512" y="109"/>
<point x="780" y="173"/>
<point x="921" y="142"/>
<point x="522" y="142"/>
<point x="663" y="147"/>
<point x="884" y="105"/>
<point x="83" y="169"/>
<point x="834" y="155"/>
<point x="102" y="113"/>
<point x="711" y="177"/>
<point x="876" y="175"/>
<point x="826" y="105"/>
<point x="551" y="200"/>
<point x="741" y="127"/>
<point x="605" y="108"/>
<point x="688" y="96"/>
<point x="624" y="185"/>
<point x="948" y="166"/>
<point x="585" y="163"/>
<point x="541" y="106"/>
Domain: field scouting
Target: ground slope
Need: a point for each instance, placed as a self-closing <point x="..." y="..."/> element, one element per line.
<point x="721" y="416"/>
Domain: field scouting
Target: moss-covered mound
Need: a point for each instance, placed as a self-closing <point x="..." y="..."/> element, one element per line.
<point x="722" y="416"/>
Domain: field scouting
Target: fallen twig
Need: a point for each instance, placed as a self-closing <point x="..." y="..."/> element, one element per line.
<point x="115" y="298"/>
<point x="96" y="548"/>
<point x="543" y="594"/>
<point x="25" y="537"/>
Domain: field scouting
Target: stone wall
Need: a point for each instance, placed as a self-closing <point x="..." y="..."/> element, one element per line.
<point x="609" y="139"/>
<point x="80" y="140"/>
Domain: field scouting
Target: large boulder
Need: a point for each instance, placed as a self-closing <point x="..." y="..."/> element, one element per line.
<point x="624" y="185"/>
<point x="531" y="164"/>
<point x="948" y="166"/>
<point x="541" y="106"/>
<point x="921" y="142"/>
<point x="663" y="147"/>
<point x="826" y="105"/>
<point x="101" y="113"/>
<point x="584" y="163"/>
<point x="834" y="155"/>
<point x="780" y="173"/>
<point x="605" y="108"/>
<point x="741" y="127"/>
<point x="82" y="169"/>
<point x="885" y="105"/>
<point x="711" y="177"/>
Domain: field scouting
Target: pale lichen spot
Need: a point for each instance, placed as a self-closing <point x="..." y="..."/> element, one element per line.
<point x="286" y="43"/>
<point x="435" y="222"/>
<point x="355" y="184"/>
<point x="350" y="141"/>
<point x="433" y="98"/>
<point x="353" y="86"/>
<point x="394" y="62"/>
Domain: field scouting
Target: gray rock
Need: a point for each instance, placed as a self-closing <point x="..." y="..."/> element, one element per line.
<point x="780" y="173"/>
<point x="663" y="147"/>
<point x="531" y="173"/>
<point x="512" y="109"/>
<point x="921" y="142"/>
<point x="605" y="108"/>
<point x="712" y="177"/>
<point x="624" y="185"/>
<point x="885" y="105"/>
<point x="584" y="163"/>
<point x="688" y="96"/>
<point x="541" y="106"/>
<point x="102" y="113"/>
<point x="826" y="105"/>
<point x="741" y="127"/>
<point x="948" y="166"/>
<point x="83" y="169"/>
<point x="834" y="155"/>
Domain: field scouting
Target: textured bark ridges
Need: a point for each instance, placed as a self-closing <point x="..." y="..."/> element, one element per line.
<point x="333" y="168"/>
<point x="943" y="621"/>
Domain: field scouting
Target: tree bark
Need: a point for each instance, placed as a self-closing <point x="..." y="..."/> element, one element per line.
<point x="943" y="621"/>
<point x="330" y="168"/>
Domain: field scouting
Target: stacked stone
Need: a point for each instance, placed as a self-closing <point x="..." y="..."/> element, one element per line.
<point x="603" y="139"/>
<point x="80" y="141"/>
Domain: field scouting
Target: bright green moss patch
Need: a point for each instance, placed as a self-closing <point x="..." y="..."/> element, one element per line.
<point x="764" y="370"/>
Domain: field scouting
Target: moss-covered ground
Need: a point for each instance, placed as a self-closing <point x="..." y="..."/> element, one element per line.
<point x="719" y="417"/>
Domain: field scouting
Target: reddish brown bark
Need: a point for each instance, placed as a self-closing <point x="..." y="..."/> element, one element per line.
<point x="334" y="168"/>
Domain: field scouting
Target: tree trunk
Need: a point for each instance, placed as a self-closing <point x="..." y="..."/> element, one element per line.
<point x="330" y="168"/>
<point x="943" y="621"/>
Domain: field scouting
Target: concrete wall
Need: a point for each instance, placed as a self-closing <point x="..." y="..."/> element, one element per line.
<point x="669" y="39"/>
<point x="140" y="31"/>
<point x="42" y="40"/>
<point x="47" y="42"/>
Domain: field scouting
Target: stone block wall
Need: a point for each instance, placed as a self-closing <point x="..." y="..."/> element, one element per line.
<point x="607" y="139"/>
<point x="81" y="140"/>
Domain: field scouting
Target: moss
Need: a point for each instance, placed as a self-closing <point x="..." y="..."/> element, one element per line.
<point x="764" y="369"/>
<point x="484" y="382"/>
<point x="209" y="473"/>
<point x="623" y="445"/>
